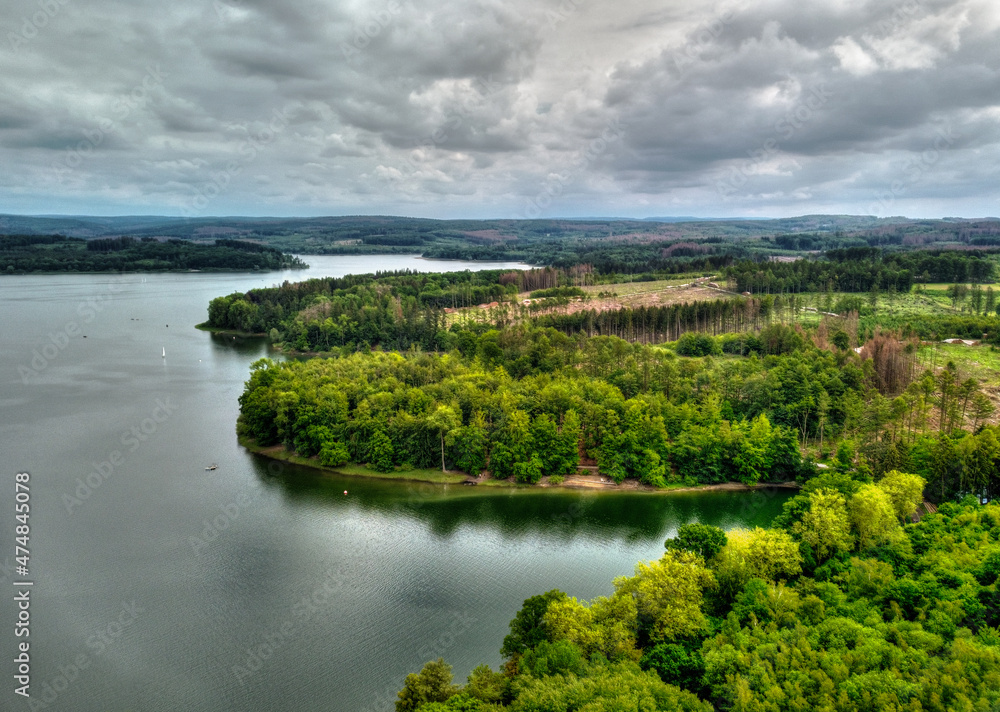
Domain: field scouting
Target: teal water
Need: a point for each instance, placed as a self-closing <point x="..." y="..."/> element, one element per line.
<point x="257" y="586"/>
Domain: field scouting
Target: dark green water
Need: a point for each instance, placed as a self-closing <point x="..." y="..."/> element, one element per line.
<point x="258" y="586"/>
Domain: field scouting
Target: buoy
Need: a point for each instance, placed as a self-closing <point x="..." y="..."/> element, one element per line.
<point x="345" y="491"/>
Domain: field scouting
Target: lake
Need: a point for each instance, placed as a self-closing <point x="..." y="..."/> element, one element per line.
<point x="257" y="586"/>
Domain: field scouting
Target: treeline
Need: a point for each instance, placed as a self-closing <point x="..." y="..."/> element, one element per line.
<point x="841" y="606"/>
<point x="387" y="410"/>
<point x="635" y="410"/>
<point x="402" y="310"/>
<point x="860" y="269"/>
<point x="21" y="254"/>
<point x="394" y="310"/>
<point x="606" y="257"/>
<point x="656" y="324"/>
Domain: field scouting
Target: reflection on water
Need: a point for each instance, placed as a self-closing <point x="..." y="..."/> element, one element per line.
<point x="554" y="515"/>
<point x="251" y="346"/>
<point x="220" y="560"/>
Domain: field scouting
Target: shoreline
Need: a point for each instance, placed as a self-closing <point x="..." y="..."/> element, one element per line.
<point x="205" y="326"/>
<point x="577" y="482"/>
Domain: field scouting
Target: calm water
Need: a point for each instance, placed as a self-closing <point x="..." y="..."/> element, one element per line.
<point x="160" y="586"/>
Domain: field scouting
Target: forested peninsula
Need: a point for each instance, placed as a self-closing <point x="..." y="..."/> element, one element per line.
<point x="868" y="374"/>
<point x="552" y="379"/>
<point x="25" y="254"/>
<point x="838" y="607"/>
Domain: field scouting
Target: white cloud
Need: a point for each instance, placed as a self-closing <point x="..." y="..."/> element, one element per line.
<point x="853" y="58"/>
<point x="467" y="107"/>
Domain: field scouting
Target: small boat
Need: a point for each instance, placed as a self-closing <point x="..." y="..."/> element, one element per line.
<point x="212" y="467"/>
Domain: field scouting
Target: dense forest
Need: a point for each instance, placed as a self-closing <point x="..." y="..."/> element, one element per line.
<point x="626" y="246"/>
<point x="861" y="269"/>
<point x="21" y="254"/>
<point x="527" y="402"/>
<point x="403" y="310"/>
<point x="845" y="604"/>
<point x="841" y="606"/>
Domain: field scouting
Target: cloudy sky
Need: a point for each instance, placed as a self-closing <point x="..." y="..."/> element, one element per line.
<point x="500" y="108"/>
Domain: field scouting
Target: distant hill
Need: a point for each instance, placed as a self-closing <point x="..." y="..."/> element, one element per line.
<point x="619" y="244"/>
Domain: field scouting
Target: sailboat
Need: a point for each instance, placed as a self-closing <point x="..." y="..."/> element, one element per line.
<point x="164" y="352"/>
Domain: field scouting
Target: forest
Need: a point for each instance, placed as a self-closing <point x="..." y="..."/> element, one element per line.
<point x="843" y="605"/>
<point x="525" y="403"/>
<point x="24" y="254"/>
<point x="875" y="589"/>
<point x="626" y="246"/>
<point x="860" y="269"/>
<point x="403" y="310"/>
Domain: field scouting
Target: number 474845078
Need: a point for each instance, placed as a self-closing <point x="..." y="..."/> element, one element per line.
<point x="22" y="509"/>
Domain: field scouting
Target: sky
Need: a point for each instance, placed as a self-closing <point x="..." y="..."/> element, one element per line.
<point x="500" y="109"/>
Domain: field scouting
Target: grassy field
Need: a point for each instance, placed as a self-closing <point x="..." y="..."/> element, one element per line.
<point x="415" y="474"/>
<point x="981" y="362"/>
<point x="278" y="452"/>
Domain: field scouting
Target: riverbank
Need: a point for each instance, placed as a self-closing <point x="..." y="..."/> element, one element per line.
<point x="577" y="481"/>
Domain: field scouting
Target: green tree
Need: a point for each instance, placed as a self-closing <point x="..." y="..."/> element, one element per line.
<point x="702" y="539"/>
<point x="607" y="626"/>
<point x="669" y="594"/>
<point x="873" y="517"/>
<point x="470" y="445"/>
<point x="527" y="629"/>
<point x="905" y="491"/>
<point x="513" y="444"/>
<point x="825" y="526"/>
<point x="753" y="450"/>
<point x="768" y="554"/>
<point x="566" y="452"/>
<point x="445" y="421"/>
<point x="431" y="684"/>
<point x="333" y="453"/>
<point x="486" y="685"/>
<point x="381" y="451"/>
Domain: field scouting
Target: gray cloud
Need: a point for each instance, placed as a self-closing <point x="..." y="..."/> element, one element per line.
<point x="478" y="107"/>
